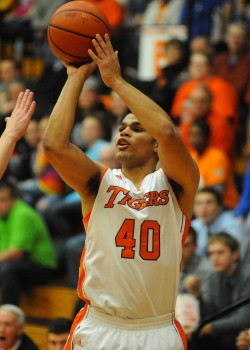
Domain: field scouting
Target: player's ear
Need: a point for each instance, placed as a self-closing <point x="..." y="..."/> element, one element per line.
<point x="155" y="147"/>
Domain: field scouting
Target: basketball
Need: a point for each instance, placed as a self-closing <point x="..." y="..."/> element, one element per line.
<point x="72" y="28"/>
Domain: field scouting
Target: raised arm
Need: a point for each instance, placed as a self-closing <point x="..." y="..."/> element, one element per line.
<point x="75" y="168"/>
<point x="173" y="155"/>
<point x="16" y="126"/>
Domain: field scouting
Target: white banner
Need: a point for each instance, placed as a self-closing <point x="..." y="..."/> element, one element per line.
<point x="151" y="47"/>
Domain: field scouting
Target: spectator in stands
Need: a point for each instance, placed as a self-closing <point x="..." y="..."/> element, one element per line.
<point x="16" y="126"/>
<point x="93" y="132"/>
<point x="214" y="165"/>
<point x="233" y="65"/>
<point x="27" y="254"/>
<point x="58" y="332"/>
<point x="9" y="72"/>
<point x="210" y="218"/>
<point x="88" y="103"/>
<point x="192" y="263"/>
<point x="170" y="73"/>
<point x="198" y="105"/>
<point x="243" y="340"/>
<point x="229" y="282"/>
<point x="225" y="97"/>
<point x="12" y="335"/>
<point x="201" y="43"/>
<point x="46" y="186"/>
<point x="12" y="92"/>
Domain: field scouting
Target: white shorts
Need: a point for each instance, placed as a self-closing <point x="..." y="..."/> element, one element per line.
<point x="99" y="331"/>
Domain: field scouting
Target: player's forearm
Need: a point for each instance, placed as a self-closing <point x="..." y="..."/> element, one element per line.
<point x="62" y="118"/>
<point x="153" y="118"/>
<point x="7" y="145"/>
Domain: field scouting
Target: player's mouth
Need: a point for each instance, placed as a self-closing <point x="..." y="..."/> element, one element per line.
<point x="122" y="144"/>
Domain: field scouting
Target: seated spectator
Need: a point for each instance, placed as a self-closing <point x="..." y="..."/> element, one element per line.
<point x="192" y="263"/>
<point x="210" y="218"/>
<point x="46" y="186"/>
<point x="214" y="165"/>
<point x="26" y="252"/>
<point x="58" y="332"/>
<point x="233" y="65"/>
<point x="170" y="73"/>
<point x="9" y="72"/>
<point x="243" y="340"/>
<point x="12" y="336"/>
<point x="198" y="105"/>
<point x="225" y="96"/>
<point x="88" y="103"/>
<point x="93" y="135"/>
<point x="229" y="282"/>
<point x="201" y="43"/>
<point x="12" y="92"/>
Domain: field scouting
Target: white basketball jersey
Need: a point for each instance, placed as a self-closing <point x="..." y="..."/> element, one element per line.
<point x="131" y="262"/>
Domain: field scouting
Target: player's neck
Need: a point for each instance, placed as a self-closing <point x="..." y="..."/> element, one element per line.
<point x="137" y="174"/>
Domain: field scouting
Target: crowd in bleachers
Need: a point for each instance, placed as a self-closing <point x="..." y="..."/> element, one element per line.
<point x="203" y="82"/>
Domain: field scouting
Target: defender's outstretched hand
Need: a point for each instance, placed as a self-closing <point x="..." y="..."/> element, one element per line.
<point x="106" y="59"/>
<point x="16" y="125"/>
<point x="19" y="120"/>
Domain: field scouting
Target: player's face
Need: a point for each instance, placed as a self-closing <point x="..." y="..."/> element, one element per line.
<point x="9" y="329"/>
<point x="221" y="257"/>
<point x="134" y="146"/>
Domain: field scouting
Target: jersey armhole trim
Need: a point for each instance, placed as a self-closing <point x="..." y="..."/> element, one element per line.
<point x="85" y="220"/>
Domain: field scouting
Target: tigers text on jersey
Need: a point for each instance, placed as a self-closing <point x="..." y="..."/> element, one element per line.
<point x="131" y="261"/>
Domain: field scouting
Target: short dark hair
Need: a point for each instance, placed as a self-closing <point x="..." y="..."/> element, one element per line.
<point x="60" y="325"/>
<point x="11" y="186"/>
<point x="226" y="239"/>
<point x="214" y="192"/>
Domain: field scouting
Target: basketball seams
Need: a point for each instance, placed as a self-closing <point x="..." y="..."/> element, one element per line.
<point x="83" y="11"/>
<point x="71" y="31"/>
<point x="66" y="53"/>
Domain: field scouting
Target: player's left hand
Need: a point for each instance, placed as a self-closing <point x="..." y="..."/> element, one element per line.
<point x="106" y="59"/>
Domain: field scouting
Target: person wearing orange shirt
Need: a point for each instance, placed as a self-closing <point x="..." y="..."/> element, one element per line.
<point x="199" y="106"/>
<point x="225" y="97"/>
<point x="214" y="165"/>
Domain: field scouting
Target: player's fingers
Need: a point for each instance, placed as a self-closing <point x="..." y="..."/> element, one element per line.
<point x="31" y="109"/>
<point x="24" y="99"/>
<point x="108" y="42"/>
<point x="98" y="46"/>
<point x="28" y="101"/>
<point x="19" y="99"/>
<point x="94" y="57"/>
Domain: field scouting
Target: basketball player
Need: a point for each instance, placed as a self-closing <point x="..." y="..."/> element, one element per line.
<point x="16" y="126"/>
<point x="136" y="218"/>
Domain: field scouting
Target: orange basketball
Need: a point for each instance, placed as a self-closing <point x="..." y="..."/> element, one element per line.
<point x="72" y="28"/>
